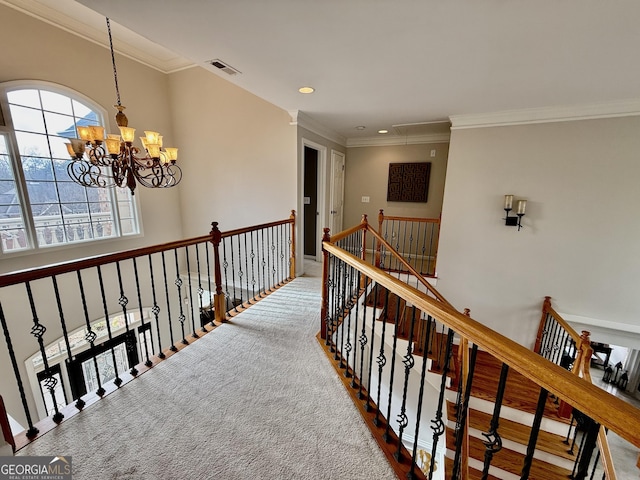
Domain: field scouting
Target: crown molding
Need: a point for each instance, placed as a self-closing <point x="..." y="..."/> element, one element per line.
<point x="386" y="140"/>
<point x="303" y="120"/>
<point x="81" y="21"/>
<point x="623" y="108"/>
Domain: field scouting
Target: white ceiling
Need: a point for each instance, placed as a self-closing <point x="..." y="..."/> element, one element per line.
<point x="381" y="63"/>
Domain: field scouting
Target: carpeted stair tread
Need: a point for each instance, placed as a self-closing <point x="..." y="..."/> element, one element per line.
<point x="473" y="473"/>
<point x="514" y="431"/>
<point x="511" y="461"/>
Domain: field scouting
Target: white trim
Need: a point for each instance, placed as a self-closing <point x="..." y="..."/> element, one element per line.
<point x="322" y="194"/>
<point x="623" y="108"/>
<point x="384" y="140"/>
<point x="303" y="120"/>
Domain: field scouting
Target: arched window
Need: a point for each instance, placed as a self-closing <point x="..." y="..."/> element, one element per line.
<point x="40" y="206"/>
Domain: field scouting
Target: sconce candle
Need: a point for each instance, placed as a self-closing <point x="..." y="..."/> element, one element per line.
<point x="508" y="202"/>
<point x="522" y="205"/>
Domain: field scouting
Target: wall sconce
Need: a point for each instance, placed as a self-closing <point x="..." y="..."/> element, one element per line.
<point x="508" y="206"/>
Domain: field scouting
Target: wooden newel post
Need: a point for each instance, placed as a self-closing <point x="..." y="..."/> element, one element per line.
<point x="219" y="304"/>
<point x="292" y="258"/>
<point x="324" y="309"/>
<point x="545" y="309"/>
<point x="378" y="245"/>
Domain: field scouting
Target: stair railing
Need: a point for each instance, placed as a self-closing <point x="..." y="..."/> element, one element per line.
<point x="416" y="239"/>
<point x="356" y="293"/>
<point x="78" y="330"/>
<point x="559" y="343"/>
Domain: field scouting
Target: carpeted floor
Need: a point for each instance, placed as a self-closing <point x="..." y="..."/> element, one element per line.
<point x="255" y="399"/>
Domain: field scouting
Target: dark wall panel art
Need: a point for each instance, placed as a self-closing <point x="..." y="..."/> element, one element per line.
<point x="408" y="182"/>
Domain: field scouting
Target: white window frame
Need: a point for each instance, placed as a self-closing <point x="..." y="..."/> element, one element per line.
<point x="7" y="130"/>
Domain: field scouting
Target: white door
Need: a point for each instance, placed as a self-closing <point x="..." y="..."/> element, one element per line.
<point x="337" y="191"/>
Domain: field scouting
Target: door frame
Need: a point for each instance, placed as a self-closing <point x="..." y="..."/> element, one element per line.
<point x="336" y="153"/>
<point x="321" y="218"/>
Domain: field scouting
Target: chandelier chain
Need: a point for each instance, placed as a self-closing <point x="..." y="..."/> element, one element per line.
<point x="113" y="62"/>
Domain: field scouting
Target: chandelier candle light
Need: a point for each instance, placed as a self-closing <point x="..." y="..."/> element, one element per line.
<point x="114" y="161"/>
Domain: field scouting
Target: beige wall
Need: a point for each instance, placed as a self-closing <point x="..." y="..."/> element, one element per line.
<point x="37" y="51"/>
<point x="581" y="241"/>
<point x="238" y="154"/>
<point x="367" y="173"/>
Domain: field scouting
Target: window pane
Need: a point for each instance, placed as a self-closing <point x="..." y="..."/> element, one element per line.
<point x="75" y="211"/>
<point x="42" y="192"/>
<point x="37" y="168"/>
<point x="54" y="102"/>
<point x="59" y="149"/>
<point x="71" y="192"/>
<point x="13" y="234"/>
<point x="27" y="119"/>
<point x="80" y="110"/>
<point x="62" y="125"/>
<point x="28" y="98"/>
<point x="50" y="209"/>
<point x="32" y="144"/>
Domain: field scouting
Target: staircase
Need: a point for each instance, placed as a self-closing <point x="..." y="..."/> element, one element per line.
<point x="552" y="459"/>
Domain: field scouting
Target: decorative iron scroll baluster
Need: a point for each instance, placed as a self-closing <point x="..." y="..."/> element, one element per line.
<point x="342" y="305"/>
<point x="348" y="346"/>
<point x="178" y="283"/>
<point x="493" y="442"/>
<point x="462" y="415"/>
<point x="252" y="254"/>
<point x="155" y="309"/>
<point x="283" y="262"/>
<point x="147" y="362"/>
<point x="362" y="339"/>
<point x="210" y="304"/>
<point x="240" y="273"/>
<point x="225" y="265"/>
<point x="273" y="259"/>
<point x="194" y="333"/>
<point x="386" y="435"/>
<point x="173" y="347"/>
<point x="246" y="265"/>
<point x="437" y="423"/>
<point x="381" y="360"/>
<point x="353" y="299"/>
<point x="233" y="277"/>
<point x="90" y="336"/>
<point x="117" y="381"/>
<point x="200" y="289"/>
<point x="408" y="362"/>
<point x="32" y="431"/>
<point x="38" y="331"/>
<point x="423" y="372"/>
<point x="374" y="312"/>
<point x="533" y="437"/>
<point x="264" y="263"/>
<point x="331" y="307"/>
<point x="123" y="301"/>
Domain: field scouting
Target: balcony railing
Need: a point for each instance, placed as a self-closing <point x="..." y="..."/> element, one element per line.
<point x="78" y="330"/>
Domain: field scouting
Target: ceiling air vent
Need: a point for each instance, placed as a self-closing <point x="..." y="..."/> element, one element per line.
<point x="219" y="64"/>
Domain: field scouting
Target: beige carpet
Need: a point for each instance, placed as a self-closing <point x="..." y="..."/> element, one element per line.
<point x="255" y="399"/>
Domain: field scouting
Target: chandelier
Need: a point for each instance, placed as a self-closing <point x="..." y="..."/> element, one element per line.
<point x="114" y="161"/>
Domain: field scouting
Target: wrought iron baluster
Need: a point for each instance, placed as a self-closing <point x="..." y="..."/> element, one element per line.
<point x="246" y="265"/>
<point x="123" y="301"/>
<point x="381" y="359"/>
<point x="533" y="437"/>
<point x="264" y="263"/>
<point x="194" y="333"/>
<point x="117" y="381"/>
<point x="173" y="347"/>
<point x="438" y="426"/>
<point x="147" y="362"/>
<point x="155" y="309"/>
<point x="331" y="301"/>
<point x="363" y="333"/>
<point x="38" y="331"/>
<point x="408" y="362"/>
<point x="273" y="259"/>
<point x="423" y="373"/>
<point x="342" y="302"/>
<point x="462" y="414"/>
<point x="200" y="289"/>
<point x="32" y="431"/>
<point x="424" y="249"/>
<point x="493" y="442"/>
<point x="90" y="336"/>
<point x="178" y="283"/>
<point x="252" y="255"/>
<point x="283" y="268"/>
<point x="240" y="273"/>
<point x="374" y="311"/>
<point x="386" y="436"/>
<point x="589" y="444"/>
<point x="225" y="264"/>
<point x="347" y="311"/>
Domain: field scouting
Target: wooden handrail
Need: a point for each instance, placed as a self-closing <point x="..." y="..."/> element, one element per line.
<point x="602" y="407"/>
<point x="28" y="275"/>
<point x="382" y="217"/>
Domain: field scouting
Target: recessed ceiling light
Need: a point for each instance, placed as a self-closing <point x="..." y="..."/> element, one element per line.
<point x="383" y="131"/>
<point x="306" y="89"/>
<point x="360" y="127"/>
